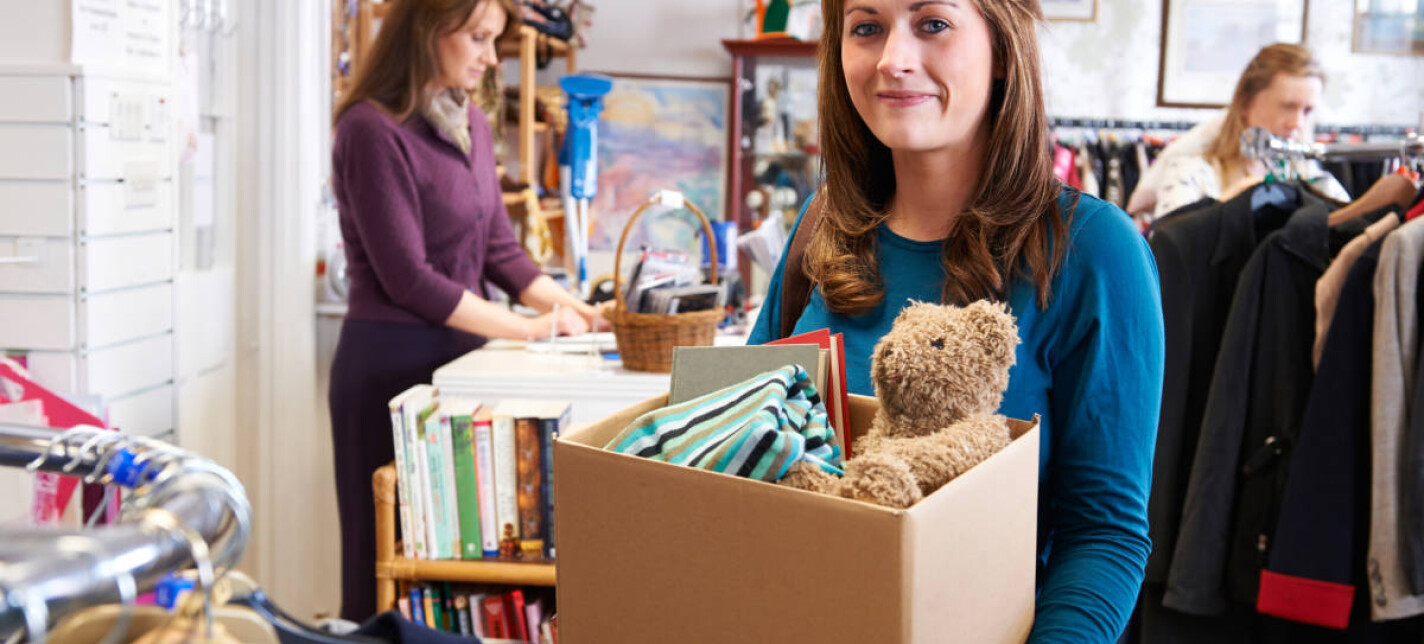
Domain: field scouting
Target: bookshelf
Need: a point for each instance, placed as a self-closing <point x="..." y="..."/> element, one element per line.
<point x="392" y="568"/>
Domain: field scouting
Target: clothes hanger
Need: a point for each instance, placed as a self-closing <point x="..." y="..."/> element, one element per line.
<point x="1308" y="186"/>
<point x="198" y="617"/>
<point x="1276" y="189"/>
<point x="290" y="630"/>
<point x="245" y="592"/>
<point x="1391" y="190"/>
<point x="93" y="624"/>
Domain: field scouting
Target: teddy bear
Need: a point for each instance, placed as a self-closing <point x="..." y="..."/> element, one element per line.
<point x="940" y="375"/>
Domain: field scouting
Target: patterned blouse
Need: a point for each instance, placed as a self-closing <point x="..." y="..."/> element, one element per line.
<point x="1186" y="179"/>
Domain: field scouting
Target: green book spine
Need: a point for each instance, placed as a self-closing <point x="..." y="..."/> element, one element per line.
<point x="444" y="548"/>
<point x="466" y="489"/>
<point x="437" y="607"/>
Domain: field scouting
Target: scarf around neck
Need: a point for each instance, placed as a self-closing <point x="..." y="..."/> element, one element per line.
<point x="448" y="112"/>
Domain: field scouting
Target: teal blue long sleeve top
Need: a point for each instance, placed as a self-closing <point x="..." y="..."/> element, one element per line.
<point x="1091" y="365"/>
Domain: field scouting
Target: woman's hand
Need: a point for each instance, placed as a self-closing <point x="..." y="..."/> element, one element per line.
<point x="595" y="318"/>
<point x="561" y="321"/>
<point x="543" y="294"/>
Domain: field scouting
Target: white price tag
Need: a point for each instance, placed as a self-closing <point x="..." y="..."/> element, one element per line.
<point x="671" y="198"/>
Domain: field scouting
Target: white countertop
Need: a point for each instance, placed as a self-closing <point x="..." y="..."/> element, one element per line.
<point x="594" y="385"/>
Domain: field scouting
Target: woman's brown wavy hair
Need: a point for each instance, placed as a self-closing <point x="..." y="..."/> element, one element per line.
<point x="1008" y="228"/>
<point x="403" y="60"/>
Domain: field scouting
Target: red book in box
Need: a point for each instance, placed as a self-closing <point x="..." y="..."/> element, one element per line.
<point x="835" y="397"/>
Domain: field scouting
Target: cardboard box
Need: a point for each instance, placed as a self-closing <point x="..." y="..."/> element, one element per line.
<point x="657" y="553"/>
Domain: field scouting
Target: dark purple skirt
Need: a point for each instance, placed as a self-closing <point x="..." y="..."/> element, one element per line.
<point x="374" y="361"/>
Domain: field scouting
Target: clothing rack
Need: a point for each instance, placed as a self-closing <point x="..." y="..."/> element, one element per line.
<point x="181" y="510"/>
<point x="1258" y="143"/>
<point x="1120" y="124"/>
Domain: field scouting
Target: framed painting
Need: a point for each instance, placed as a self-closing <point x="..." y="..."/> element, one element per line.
<point x="1388" y="27"/>
<point x="1070" y="10"/>
<point x="660" y="132"/>
<point x="1206" y="44"/>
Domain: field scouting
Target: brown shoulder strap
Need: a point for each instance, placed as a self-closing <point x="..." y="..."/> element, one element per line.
<point x="795" y="285"/>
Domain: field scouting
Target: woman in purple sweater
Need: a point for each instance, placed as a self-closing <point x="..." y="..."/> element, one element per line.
<point x="425" y="230"/>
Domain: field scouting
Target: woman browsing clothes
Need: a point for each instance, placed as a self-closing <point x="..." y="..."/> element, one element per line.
<point x="425" y="229"/>
<point x="939" y="187"/>
<point x="1277" y="92"/>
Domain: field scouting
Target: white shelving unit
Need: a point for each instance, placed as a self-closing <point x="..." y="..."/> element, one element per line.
<point x="101" y="263"/>
<point x="88" y="245"/>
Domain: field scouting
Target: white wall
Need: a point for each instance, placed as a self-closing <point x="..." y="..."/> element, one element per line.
<point x="1102" y="69"/>
<point x="21" y="42"/>
<point x="1108" y="68"/>
<point x="672" y="37"/>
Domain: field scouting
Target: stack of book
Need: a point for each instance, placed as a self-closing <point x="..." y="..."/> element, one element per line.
<point x="469" y="611"/>
<point x="475" y="481"/>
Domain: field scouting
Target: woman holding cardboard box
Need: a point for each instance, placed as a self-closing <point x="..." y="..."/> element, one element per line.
<point x="424" y="227"/>
<point x="939" y="187"/>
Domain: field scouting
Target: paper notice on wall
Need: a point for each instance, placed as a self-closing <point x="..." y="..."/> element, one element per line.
<point x="95" y="32"/>
<point x="123" y="34"/>
<point x="140" y="184"/>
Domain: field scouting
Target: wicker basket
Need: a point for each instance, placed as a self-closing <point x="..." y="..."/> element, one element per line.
<point x="645" y="340"/>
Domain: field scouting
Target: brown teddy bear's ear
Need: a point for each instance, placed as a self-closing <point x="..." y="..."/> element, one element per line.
<point x="914" y="309"/>
<point x="994" y="328"/>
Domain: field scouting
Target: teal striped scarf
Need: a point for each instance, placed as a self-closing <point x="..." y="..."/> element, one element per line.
<point x="757" y="429"/>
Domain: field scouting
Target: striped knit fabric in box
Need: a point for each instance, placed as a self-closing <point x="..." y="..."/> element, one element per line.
<point x="757" y="429"/>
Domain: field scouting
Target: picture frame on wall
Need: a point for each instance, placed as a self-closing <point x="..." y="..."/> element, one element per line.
<point x="1388" y="27"/>
<point x="1070" y="10"/>
<point x="656" y="133"/>
<point x="1206" y="44"/>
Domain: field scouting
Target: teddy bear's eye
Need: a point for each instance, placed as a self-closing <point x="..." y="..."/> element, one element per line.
<point x="937" y="343"/>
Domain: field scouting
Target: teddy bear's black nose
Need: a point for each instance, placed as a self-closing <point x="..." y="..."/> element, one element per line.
<point x="937" y="343"/>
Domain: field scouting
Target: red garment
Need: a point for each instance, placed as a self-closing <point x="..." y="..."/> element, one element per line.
<point x="1417" y="210"/>
<point x="1065" y="166"/>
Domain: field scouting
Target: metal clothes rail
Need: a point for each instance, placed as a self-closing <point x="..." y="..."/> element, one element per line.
<point x="182" y="510"/>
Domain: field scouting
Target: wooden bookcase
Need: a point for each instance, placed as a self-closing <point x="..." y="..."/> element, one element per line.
<point x="747" y="57"/>
<point x="391" y="567"/>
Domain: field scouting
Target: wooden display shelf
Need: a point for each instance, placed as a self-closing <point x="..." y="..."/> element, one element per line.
<point x="552" y="207"/>
<point x="391" y="568"/>
<point x="490" y="572"/>
<point x="526" y="49"/>
<point x="558" y="48"/>
<point x="771" y="47"/>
